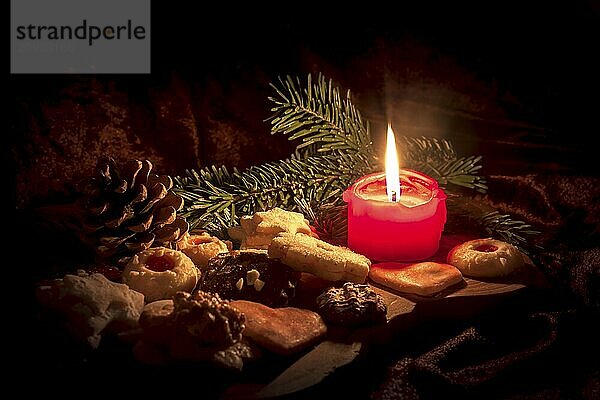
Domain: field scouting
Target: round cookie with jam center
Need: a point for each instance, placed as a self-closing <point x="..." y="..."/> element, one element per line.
<point x="159" y="273"/>
<point x="486" y="258"/>
<point x="200" y="248"/>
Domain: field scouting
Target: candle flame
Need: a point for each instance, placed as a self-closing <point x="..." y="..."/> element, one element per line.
<point x="392" y="169"/>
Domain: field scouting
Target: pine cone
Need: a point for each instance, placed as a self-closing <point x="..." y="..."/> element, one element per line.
<point x="128" y="209"/>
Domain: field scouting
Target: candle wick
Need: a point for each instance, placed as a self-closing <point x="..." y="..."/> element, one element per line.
<point x="394" y="196"/>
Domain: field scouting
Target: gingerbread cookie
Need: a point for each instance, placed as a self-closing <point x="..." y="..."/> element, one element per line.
<point x="308" y="254"/>
<point x="250" y="276"/>
<point x="159" y="273"/>
<point x="202" y="247"/>
<point x="486" y="258"/>
<point x="423" y="279"/>
<point x="281" y="330"/>
<point x="351" y="305"/>
<point x="91" y="305"/>
<point x="257" y="231"/>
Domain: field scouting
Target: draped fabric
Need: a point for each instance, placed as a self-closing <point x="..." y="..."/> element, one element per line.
<point x="540" y="346"/>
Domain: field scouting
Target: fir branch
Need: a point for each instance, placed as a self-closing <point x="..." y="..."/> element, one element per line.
<point x="330" y="220"/>
<point x="478" y="214"/>
<point x="322" y="118"/>
<point x="504" y="227"/>
<point x="215" y="197"/>
<point x="426" y="150"/>
<point x="437" y="158"/>
<point x="335" y="149"/>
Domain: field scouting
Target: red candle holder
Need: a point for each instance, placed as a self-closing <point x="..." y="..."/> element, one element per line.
<point x="406" y="230"/>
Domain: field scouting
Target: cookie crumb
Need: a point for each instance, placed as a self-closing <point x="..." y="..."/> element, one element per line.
<point x="258" y="285"/>
<point x="252" y="276"/>
<point x="239" y="284"/>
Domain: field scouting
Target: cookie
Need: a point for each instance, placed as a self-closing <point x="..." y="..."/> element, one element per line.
<point x="282" y="330"/>
<point x="423" y="279"/>
<point x="158" y="273"/>
<point x="91" y="305"/>
<point x="351" y="305"/>
<point x="486" y="258"/>
<point x="202" y="247"/>
<point x="250" y="275"/>
<point x="155" y="313"/>
<point x="257" y="231"/>
<point x="275" y="221"/>
<point x="308" y="254"/>
<point x="199" y="327"/>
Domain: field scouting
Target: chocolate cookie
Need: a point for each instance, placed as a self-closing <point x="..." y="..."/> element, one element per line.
<point x="352" y="304"/>
<point x="250" y="276"/>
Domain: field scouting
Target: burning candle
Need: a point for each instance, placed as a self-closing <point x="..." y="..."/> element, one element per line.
<point x="396" y="215"/>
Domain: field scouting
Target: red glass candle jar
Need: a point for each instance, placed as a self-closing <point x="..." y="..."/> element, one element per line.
<point x="405" y="230"/>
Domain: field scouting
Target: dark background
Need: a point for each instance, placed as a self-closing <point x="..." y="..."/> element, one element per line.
<point x="516" y="82"/>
